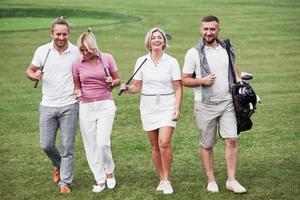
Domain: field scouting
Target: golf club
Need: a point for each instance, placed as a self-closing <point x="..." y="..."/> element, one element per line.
<point x="42" y="68"/>
<point x="168" y="36"/>
<point x="246" y="76"/>
<point x="104" y="68"/>
<point x="121" y="91"/>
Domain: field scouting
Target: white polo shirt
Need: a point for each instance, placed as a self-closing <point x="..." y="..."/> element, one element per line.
<point x="57" y="80"/>
<point x="217" y="60"/>
<point x="158" y="78"/>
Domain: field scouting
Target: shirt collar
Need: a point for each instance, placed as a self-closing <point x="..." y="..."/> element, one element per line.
<point x="66" y="51"/>
<point x="163" y="57"/>
<point x="85" y="60"/>
<point x="208" y="47"/>
<point x="202" y="46"/>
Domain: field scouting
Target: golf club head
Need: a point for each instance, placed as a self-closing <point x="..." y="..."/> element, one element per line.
<point x="168" y="36"/>
<point x="258" y="99"/>
<point x="246" y="76"/>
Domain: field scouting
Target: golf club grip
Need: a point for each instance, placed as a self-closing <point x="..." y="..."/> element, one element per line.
<point x="106" y="73"/>
<point x="42" y="68"/>
<point x="36" y="83"/>
<point x="121" y="91"/>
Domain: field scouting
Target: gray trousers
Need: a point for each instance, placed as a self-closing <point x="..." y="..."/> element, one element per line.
<point x="65" y="118"/>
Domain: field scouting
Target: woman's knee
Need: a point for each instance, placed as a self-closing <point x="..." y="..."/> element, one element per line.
<point x="165" y="144"/>
<point x="154" y="147"/>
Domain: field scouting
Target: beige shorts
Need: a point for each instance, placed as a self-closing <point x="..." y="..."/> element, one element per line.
<point x="213" y="118"/>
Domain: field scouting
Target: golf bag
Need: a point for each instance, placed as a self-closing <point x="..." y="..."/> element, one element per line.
<point x="244" y="99"/>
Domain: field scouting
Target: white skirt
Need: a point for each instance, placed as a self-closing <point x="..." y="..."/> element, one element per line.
<point x="157" y="111"/>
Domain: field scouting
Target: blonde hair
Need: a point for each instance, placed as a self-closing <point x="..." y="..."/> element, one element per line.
<point x="88" y="40"/>
<point x="149" y="35"/>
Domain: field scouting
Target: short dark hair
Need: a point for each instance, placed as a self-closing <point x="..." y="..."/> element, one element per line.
<point x="61" y="21"/>
<point x="210" y="18"/>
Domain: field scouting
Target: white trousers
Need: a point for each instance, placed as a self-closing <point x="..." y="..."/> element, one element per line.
<point x="96" y="122"/>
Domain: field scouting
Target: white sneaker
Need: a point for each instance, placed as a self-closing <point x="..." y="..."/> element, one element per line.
<point x="212" y="186"/>
<point x="235" y="186"/>
<point x="167" y="188"/>
<point x="160" y="186"/>
<point x="98" y="188"/>
<point x="111" y="182"/>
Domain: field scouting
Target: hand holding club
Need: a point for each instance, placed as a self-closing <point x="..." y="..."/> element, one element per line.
<point x="109" y="82"/>
<point x="39" y="73"/>
<point x="127" y="83"/>
<point x="124" y="87"/>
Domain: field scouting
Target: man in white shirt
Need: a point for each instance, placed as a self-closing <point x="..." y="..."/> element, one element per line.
<point x="214" y="111"/>
<point x="58" y="108"/>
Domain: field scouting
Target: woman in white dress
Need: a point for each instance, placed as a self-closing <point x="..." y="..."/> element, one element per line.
<point x="159" y="82"/>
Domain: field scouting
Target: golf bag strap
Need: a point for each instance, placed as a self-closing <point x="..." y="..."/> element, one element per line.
<point x="228" y="45"/>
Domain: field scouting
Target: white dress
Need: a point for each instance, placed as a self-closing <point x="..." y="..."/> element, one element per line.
<point x="157" y="104"/>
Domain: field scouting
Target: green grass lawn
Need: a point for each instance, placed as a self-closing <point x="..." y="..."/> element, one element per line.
<point x="267" y="43"/>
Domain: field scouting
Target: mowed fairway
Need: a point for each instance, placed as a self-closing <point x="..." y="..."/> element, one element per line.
<point x="267" y="43"/>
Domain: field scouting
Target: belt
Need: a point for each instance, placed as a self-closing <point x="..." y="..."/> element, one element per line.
<point x="157" y="96"/>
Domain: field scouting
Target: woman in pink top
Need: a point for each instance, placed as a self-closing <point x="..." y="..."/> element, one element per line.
<point x="95" y="76"/>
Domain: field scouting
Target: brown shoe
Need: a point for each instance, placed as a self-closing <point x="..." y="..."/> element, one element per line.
<point x="65" y="189"/>
<point x="56" y="175"/>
